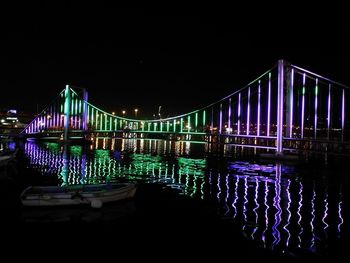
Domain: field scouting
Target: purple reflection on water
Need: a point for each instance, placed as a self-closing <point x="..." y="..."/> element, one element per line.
<point x="266" y="193"/>
<point x="340" y="214"/>
<point x="300" y="205"/>
<point x="227" y="194"/>
<point x="313" y="217"/>
<point x="256" y="206"/>
<point x="236" y="196"/>
<point x="276" y="201"/>
<point x="288" y="213"/>
<point x="245" y="202"/>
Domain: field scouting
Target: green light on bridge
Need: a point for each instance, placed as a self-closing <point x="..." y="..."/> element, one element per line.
<point x="92" y="116"/>
<point x="204" y="119"/>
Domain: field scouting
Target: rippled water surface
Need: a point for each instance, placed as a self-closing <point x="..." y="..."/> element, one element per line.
<point x="282" y="207"/>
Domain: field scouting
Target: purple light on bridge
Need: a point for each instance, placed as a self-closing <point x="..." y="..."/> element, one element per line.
<point x="220" y="128"/>
<point x="258" y="128"/>
<point x="329" y="111"/>
<point x="291" y="105"/>
<point x="343" y="115"/>
<point x="316" y="102"/>
<point x="248" y="112"/>
<point x="268" y="107"/>
<point x="303" y="107"/>
<point x="229" y="114"/>
<point x="239" y="115"/>
<point x="280" y="98"/>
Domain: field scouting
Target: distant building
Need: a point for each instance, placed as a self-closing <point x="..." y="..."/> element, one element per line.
<point x="13" y="122"/>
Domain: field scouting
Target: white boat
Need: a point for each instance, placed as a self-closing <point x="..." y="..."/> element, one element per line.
<point x="95" y="195"/>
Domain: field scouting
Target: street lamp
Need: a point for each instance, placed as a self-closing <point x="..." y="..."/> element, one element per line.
<point x="123" y="112"/>
<point x="136" y="110"/>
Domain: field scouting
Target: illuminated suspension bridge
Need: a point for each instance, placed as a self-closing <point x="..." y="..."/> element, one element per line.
<point x="286" y="109"/>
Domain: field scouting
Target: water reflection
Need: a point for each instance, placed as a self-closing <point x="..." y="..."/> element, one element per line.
<point x="130" y="160"/>
<point x="272" y="203"/>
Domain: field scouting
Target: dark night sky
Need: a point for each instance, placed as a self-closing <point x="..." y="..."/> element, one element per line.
<point x="133" y="57"/>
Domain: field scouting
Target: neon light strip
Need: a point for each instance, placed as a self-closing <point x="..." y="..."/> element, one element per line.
<point x="116" y="124"/>
<point x="53" y="116"/>
<point x="100" y="119"/>
<point x="88" y="114"/>
<point x="80" y="116"/>
<point x="291" y="105"/>
<point x="280" y="97"/>
<point x="248" y="112"/>
<point x="259" y="94"/>
<point x="268" y="107"/>
<point x="220" y="127"/>
<point x="229" y="115"/>
<point x="96" y="114"/>
<point x="196" y="121"/>
<point x="181" y="125"/>
<point x="92" y="116"/>
<point x="110" y="123"/>
<point x="188" y="123"/>
<point x="239" y="115"/>
<point x="167" y="126"/>
<point x="174" y="125"/>
<point x="315" y="124"/>
<point x="204" y="120"/>
<point x="329" y="111"/>
<point x="303" y="107"/>
<point x="343" y="115"/>
<point x="106" y="120"/>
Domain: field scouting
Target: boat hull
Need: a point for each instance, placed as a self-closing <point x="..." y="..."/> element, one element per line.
<point x="33" y="197"/>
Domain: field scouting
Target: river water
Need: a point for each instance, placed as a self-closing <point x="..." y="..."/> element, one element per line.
<point x="282" y="207"/>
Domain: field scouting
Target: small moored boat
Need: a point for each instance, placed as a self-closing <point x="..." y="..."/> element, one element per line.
<point x="95" y="195"/>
